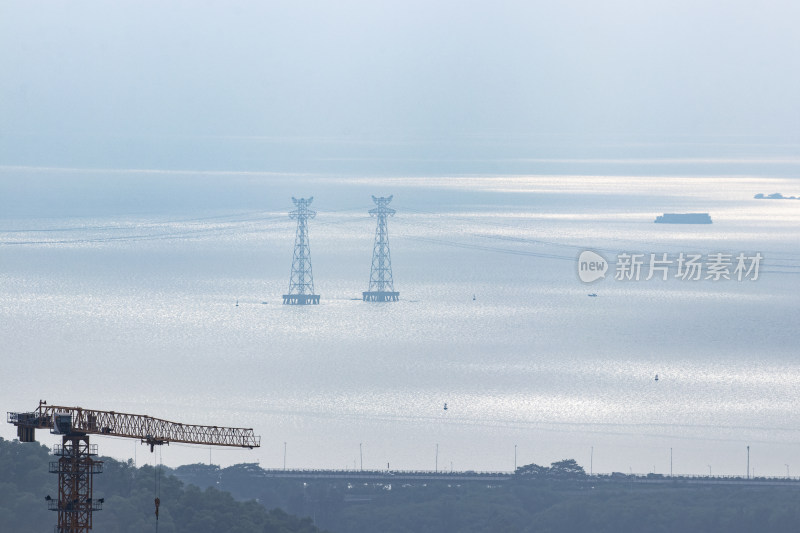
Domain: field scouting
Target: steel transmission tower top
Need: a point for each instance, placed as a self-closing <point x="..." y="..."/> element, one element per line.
<point x="381" y="284"/>
<point x="301" y="281"/>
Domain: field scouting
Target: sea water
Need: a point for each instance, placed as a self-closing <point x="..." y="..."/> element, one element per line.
<point x="159" y="292"/>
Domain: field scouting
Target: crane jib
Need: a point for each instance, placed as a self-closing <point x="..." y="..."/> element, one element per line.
<point x="63" y="420"/>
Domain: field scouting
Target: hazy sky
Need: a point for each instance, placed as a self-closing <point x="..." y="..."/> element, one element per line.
<point x="394" y="70"/>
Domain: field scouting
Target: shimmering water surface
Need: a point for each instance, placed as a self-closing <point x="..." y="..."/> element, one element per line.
<point x="118" y="291"/>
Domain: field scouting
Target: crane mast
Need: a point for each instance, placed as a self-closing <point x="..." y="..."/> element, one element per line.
<point x="76" y="465"/>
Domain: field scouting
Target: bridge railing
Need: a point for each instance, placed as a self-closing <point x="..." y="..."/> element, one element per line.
<point x="383" y="473"/>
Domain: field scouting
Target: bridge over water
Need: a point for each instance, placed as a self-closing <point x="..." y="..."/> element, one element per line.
<point x="411" y="476"/>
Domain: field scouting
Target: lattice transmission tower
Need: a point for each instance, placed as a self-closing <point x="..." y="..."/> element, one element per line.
<point x="301" y="280"/>
<point x="381" y="284"/>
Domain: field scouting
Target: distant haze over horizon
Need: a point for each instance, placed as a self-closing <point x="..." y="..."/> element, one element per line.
<point x="238" y="85"/>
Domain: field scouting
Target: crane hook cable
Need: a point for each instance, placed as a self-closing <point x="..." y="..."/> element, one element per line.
<point x="157" y="481"/>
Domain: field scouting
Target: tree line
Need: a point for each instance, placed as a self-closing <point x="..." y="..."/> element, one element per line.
<point x="243" y="499"/>
<point x="129" y="500"/>
<point x="537" y="499"/>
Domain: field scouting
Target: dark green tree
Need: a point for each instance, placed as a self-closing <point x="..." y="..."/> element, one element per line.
<point x="566" y="469"/>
